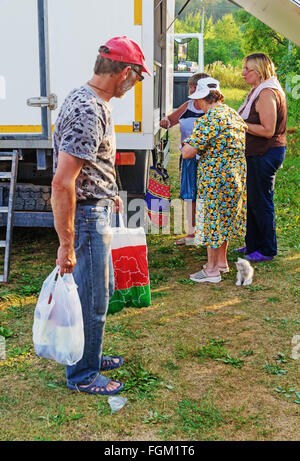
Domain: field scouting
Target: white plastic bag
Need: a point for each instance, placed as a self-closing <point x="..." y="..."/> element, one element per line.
<point x="58" y="324"/>
<point x="116" y="403"/>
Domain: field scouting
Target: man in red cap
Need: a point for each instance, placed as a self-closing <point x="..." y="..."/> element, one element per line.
<point x="84" y="191"/>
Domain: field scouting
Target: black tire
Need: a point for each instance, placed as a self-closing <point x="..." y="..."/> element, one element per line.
<point x="29" y="197"/>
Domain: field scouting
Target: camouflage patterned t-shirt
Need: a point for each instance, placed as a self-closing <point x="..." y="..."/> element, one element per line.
<point x="84" y="128"/>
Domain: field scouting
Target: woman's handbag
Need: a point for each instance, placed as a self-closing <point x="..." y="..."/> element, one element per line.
<point x="158" y="196"/>
<point x="188" y="179"/>
<point x="129" y="256"/>
<point x="58" y="324"/>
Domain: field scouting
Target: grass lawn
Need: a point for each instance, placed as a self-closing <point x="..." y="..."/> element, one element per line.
<point x="208" y="362"/>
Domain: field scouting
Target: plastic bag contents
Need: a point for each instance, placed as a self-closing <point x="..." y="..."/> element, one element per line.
<point x="58" y="325"/>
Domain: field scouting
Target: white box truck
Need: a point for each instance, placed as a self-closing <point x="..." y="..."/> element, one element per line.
<point x="49" y="47"/>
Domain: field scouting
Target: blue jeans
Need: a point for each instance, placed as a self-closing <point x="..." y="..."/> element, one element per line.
<point x="261" y="226"/>
<point x="93" y="273"/>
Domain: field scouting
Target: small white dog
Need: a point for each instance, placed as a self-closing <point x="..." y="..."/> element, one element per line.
<point x="244" y="272"/>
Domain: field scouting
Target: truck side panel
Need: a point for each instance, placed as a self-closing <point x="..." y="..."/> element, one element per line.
<point x="19" y="66"/>
<point x="76" y="30"/>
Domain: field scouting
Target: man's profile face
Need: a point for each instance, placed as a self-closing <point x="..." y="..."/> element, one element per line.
<point x="126" y="84"/>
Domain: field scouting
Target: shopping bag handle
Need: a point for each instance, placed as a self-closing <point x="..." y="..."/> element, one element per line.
<point x="121" y="221"/>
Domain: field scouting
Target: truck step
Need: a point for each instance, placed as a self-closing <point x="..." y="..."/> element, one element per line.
<point x="8" y="209"/>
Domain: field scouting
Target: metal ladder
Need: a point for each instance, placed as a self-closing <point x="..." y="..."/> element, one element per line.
<point x="12" y="176"/>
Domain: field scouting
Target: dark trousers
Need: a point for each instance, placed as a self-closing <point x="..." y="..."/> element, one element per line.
<point x="261" y="229"/>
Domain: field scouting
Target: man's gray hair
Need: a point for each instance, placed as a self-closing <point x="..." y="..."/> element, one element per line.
<point x="107" y="66"/>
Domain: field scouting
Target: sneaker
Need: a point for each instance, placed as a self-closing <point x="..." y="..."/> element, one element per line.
<point x="201" y="276"/>
<point x="223" y="270"/>
<point x="257" y="257"/>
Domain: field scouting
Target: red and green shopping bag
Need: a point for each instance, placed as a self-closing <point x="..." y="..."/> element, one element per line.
<point x="129" y="255"/>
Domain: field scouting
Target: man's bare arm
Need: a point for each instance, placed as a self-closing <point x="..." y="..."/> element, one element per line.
<point x="63" y="201"/>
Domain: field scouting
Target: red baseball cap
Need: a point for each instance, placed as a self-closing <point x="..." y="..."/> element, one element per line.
<point x="124" y="49"/>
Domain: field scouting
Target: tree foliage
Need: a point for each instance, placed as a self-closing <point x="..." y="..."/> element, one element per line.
<point x="230" y="34"/>
<point x="258" y="37"/>
<point x="230" y="37"/>
<point x="222" y="40"/>
<point x="213" y="8"/>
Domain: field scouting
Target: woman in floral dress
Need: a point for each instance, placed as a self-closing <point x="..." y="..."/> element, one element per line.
<point x="219" y="139"/>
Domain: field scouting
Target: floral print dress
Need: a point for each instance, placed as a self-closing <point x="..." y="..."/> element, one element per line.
<point x="219" y="136"/>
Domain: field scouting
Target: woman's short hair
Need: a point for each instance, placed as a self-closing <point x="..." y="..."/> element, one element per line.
<point x="214" y="96"/>
<point x="107" y="66"/>
<point x="193" y="80"/>
<point x="263" y="64"/>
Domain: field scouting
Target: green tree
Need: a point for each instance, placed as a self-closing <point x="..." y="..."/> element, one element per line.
<point x="191" y="24"/>
<point x="258" y="37"/>
<point x="223" y="42"/>
<point x="213" y="8"/>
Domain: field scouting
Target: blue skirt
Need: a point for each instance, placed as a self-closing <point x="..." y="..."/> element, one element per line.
<point x="188" y="178"/>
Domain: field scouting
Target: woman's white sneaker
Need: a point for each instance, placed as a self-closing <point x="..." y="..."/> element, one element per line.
<point x="201" y="276"/>
<point x="223" y="270"/>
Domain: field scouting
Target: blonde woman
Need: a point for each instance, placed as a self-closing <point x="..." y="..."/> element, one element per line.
<point x="265" y="113"/>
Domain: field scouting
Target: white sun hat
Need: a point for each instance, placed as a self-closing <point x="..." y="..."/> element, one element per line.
<point x="204" y="86"/>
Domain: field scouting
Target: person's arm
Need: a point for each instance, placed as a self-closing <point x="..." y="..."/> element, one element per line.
<point x="267" y="109"/>
<point x="63" y="201"/>
<point x="199" y="138"/>
<point x="173" y="119"/>
<point x="188" y="151"/>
